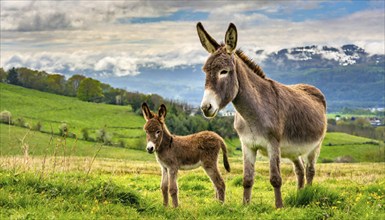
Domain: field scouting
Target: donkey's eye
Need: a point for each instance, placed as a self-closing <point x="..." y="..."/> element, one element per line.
<point x="157" y="132"/>
<point x="223" y="72"/>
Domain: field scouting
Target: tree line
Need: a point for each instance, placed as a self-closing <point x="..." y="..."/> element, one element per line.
<point x="182" y="119"/>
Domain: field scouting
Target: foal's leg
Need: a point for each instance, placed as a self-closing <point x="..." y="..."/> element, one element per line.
<point x="164" y="186"/>
<point x="299" y="171"/>
<point x="215" y="176"/>
<point x="310" y="166"/>
<point x="248" y="172"/>
<point x="275" y="172"/>
<point x="173" y="186"/>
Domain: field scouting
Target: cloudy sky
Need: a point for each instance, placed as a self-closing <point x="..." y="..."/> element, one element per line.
<point x="118" y="41"/>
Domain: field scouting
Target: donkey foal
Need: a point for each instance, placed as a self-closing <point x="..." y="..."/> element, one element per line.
<point x="183" y="153"/>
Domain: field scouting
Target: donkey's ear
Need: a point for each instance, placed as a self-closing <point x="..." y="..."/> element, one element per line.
<point x="206" y="40"/>
<point x="162" y="112"/>
<point x="231" y="38"/>
<point x="147" y="114"/>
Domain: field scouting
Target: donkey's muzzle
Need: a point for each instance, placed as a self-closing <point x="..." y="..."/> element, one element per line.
<point x="150" y="150"/>
<point x="208" y="110"/>
<point x="206" y="107"/>
<point x="150" y="147"/>
<point x="209" y="105"/>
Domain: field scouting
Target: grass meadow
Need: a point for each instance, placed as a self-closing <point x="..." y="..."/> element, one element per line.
<point x="75" y="179"/>
<point x="83" y="188"/>
<point x="47" y="176"/>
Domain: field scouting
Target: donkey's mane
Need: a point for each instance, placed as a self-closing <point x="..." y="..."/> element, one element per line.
<point x="250" y="63"/>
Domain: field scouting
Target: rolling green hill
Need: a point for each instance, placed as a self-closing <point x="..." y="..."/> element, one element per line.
<point x="351" y="148"/>
<point x="52" y="111"/>
<point x="124" y="126"/>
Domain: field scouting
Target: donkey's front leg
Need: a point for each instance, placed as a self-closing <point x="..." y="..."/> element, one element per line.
<point x="248" y="172"/>
<point x="173" y="186"/>
<point x="275" y="172"/>
<point x="164" y="186"/>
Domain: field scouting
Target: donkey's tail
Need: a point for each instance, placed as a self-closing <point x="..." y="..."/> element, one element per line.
<point x="225" y="159"/>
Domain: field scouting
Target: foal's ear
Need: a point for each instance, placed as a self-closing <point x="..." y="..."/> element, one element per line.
<point x="231" y="38"/>
<point x="147" y="114"/>
<point x="206" y="40"/>
<point x="162" y="112"/>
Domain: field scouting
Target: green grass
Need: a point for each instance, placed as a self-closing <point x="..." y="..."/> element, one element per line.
<point x="40" y="144"/>
<point x="337" y="138"/>
<point x="128" y="189"/>
<point x="53" y="110"/>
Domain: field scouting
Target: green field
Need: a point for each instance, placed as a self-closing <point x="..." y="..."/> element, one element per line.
<point x="53" y="110"/>
<point x="359" y="149"/>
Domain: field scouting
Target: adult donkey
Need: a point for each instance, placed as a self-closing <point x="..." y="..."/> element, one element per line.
<point x="274" y="119"/>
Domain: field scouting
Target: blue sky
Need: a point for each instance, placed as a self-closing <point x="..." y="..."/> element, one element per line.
<point x="121" y="39"/>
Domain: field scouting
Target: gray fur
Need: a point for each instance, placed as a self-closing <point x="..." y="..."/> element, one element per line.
<point x="273" y="119"/>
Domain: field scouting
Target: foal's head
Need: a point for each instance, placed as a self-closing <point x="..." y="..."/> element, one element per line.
<point x="154" y="127"/>
<point x="221" y="85"/>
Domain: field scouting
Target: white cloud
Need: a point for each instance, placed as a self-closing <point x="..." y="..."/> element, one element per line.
<point x="77" y="36"/>
<point x="373" y="47"/>
<point x="120" y="65"/>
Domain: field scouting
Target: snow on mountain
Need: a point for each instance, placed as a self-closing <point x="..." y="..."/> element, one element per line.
<point x="320" y="56"/>
<point x="343" y="57"/>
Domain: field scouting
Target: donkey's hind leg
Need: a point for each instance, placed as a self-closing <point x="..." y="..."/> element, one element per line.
<point x="217" y="180"/>
<point x="249" y="157"/>
<point x="299" y="171"/>
<point x="310" y="166"/>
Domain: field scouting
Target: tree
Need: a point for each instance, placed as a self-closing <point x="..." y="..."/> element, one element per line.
<point x="109" y="93"/>
<point x="56" y="83"/>
<point x="90" y="90"/>
<point x="3" y="75"/>
<point x="73" y="84"/>
<point x="26" y="77"/>
<point x="13" y="77"/>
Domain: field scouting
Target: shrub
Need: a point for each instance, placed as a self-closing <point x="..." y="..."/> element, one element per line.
<point x="5" y="117"/>
<point x="63" y="129"/>
<point x="85" y="134"/>
<point x="71" y="135"/>
<point x="20" y="122"/>
<point x="314" y="195"/>
<point x="121" y="143"/>
<point x="327" y="160"/>
<point x="103" y="136"/>
<point x="108" y="191"/>
<point x="38" y="126"/>
<point x="27" y="125"/>
<point x="344" y="159"/>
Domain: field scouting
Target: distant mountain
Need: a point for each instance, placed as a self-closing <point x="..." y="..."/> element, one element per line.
<point x="301" y="58"/>
<point x="348" y="76"/>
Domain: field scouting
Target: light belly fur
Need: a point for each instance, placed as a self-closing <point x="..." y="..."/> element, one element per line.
<point x="288" y="150"/>
<point x="191" y="166"/>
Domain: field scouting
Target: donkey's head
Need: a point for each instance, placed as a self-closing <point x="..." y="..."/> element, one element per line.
<point x="154" y="127"/>
<point x="221" y="85"/>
